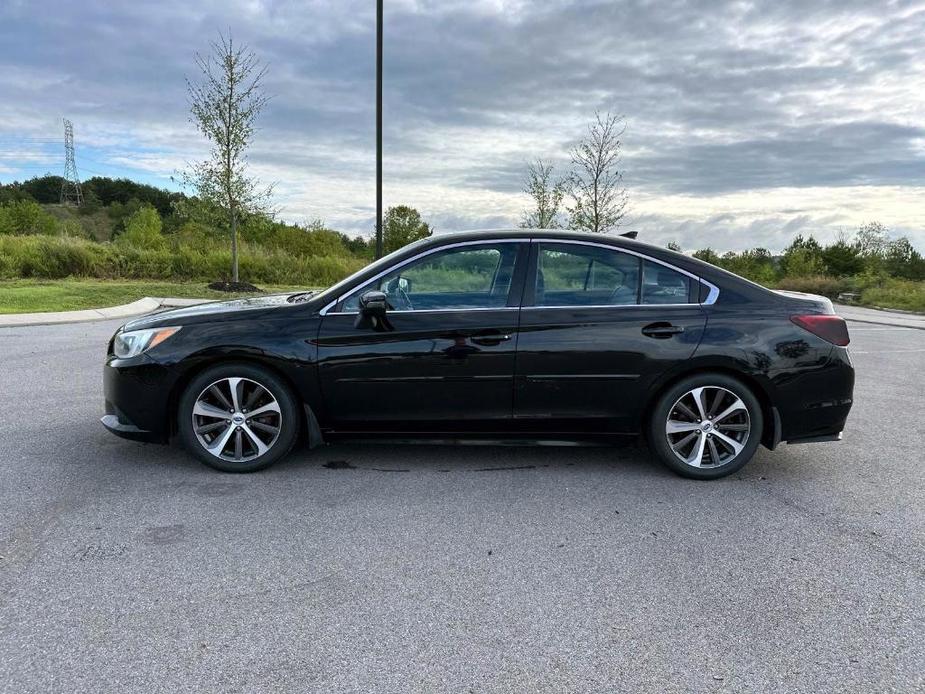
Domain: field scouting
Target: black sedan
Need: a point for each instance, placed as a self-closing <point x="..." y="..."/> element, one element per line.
<point x="503" y="335"/>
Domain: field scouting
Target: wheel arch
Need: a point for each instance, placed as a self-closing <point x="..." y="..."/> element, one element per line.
<point x="771" y="429"/>
<point x="199" y="363"/>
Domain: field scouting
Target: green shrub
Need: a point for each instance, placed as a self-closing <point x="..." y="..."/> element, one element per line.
<point x="143" y="230"/>
<point x="817" y="284"/>
<point x="54" y="257"/>
<point x="895" y="293"/>
<point x="26" y="217"/>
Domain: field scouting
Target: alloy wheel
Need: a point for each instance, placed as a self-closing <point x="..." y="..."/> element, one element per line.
<point x="236" y="419"/>
<point x="707" y="427"/>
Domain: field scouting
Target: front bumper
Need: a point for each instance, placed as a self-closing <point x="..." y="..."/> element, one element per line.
<point x="137" y="397"/>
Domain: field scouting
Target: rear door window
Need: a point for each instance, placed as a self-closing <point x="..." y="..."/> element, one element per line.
<point x="579" y="275"/>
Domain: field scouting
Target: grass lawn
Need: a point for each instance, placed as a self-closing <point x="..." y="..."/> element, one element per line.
<point x="33" y="296"/>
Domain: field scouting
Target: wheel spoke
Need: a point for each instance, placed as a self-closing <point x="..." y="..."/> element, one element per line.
<point x="234" y="385"/>
<point x="219" y="443"/>
<point x="681" y="443"/>
<point x="714" y="454"/>
<point x="260" y="426"/>
<point x="685" y="410"/>
<point x="264" y="409"/>
<point x="254" y="396"/>
<point x="206" y="428"/>
<point x="696" y="456"/>
<point x="732" y="427"/>
<point x="734" y="407"/>
<point x="699" y="396"/>
<point x="260" y="445"/>
<point x="221" y="397"/>
<point x="238" y="444"/>
<point x="204" y="409"/>
<point x="730" y="442"/>
<point x="675" y="426"/>
<point x="717" y="401"/>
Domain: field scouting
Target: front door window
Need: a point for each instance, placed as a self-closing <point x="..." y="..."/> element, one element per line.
<point x="465" y="277"/>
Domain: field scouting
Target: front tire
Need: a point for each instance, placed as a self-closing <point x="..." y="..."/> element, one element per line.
<point x="238" y="417"/>
<point x="706" y="426"/>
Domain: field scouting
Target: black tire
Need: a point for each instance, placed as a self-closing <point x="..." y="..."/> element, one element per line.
<point x="728" y="459"/>
<point x="278" y="394"/>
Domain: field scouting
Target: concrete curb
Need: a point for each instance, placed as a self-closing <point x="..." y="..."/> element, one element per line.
<point x="148" y="304"/>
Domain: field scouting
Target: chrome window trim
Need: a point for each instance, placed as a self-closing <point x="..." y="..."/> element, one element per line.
<point x="712" y="296"/>
<point x="437" y="310"/>
<point x="423" y="254"/>
<point x="578" y="307"/>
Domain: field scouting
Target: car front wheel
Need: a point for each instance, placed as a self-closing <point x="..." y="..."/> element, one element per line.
<point x="706" y="426"/>
<point x="238" y="417"/>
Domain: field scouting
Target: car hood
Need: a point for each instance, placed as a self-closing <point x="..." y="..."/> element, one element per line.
<point x="205" y="312"/>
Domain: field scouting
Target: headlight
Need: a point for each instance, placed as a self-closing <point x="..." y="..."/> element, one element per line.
<point x="134" y="342"/>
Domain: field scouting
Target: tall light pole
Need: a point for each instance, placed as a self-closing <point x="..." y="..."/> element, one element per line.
<point x="378" y="128"/>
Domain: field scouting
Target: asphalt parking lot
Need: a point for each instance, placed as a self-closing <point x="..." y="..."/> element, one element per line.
<point x="130" y="567"/>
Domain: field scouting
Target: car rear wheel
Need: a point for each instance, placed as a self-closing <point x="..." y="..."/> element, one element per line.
<point x="706" y="426"/>
<point x="238" y="417"/>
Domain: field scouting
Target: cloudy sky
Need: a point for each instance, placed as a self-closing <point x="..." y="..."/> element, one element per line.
<point x="747" y="122"/>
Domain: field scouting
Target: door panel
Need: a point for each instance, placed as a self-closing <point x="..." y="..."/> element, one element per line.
<point x="437" y="370"/>
<point x="445" y="359"/>
<point x="588" y="366"/>
<point x="590" y="369"/>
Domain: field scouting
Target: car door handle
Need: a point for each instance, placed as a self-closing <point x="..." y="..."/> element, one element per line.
<point x="489" y="339"/>
<point x="661" y="330"/>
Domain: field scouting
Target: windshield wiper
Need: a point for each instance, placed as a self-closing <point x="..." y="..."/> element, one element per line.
<point x="300" y="297"/>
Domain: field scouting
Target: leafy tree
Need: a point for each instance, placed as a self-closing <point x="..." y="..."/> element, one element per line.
<point x="359" y="246"/>
<point x="143" y="230"/>
<point x="224" y="107"/>
<point x="598" y="198"/>
<point x="803" y="257"/>
<point x="26" y="217"/>
<point x="871" y="240"/>
<point x="842" y="259"/>
<point x="111" y="190"/>
<point x="547" y="195"/>
<point x="674" y="246"/>
<point x="707" y="255"/>
<point x="801" y="262"/>
<point x="44" y="189"/>
<point x="403" y="225"/>
<point x="902" y="260"/>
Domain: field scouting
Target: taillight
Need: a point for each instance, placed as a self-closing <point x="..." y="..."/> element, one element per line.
<point x="830" y="328"/>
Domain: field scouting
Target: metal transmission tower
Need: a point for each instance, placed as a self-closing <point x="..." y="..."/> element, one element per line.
<point x="70" y="186"/>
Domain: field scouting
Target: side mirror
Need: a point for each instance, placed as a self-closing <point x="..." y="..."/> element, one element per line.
<point x="373" y="306"/>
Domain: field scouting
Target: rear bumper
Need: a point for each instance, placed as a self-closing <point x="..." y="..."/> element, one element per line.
<point x="815" y="406"/>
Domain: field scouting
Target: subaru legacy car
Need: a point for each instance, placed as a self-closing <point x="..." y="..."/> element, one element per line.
<point x="521" y="335"/>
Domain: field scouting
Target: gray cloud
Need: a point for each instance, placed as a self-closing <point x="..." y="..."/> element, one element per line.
<point x="722" y="100"/>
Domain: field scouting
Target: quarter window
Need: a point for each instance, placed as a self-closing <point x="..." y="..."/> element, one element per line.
<point x="457" y="278"/>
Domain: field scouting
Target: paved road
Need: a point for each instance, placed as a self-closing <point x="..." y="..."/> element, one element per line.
<point x="131" y="568"/>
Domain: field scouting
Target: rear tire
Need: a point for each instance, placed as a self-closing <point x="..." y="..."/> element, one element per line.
<point x="706" y="426"/>
<point x="238" y="417"/>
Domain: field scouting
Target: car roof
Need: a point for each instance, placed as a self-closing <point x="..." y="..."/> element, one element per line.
<point x="567" y="234"/>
